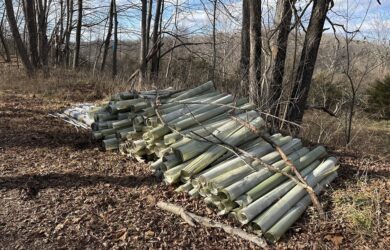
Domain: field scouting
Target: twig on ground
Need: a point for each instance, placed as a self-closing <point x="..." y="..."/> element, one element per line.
<point x="191" y="217"/>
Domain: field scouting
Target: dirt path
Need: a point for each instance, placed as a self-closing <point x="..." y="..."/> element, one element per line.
<point x="59" y="190"/>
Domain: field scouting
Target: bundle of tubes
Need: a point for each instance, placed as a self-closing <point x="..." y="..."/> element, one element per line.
<point x="188" y="136"/>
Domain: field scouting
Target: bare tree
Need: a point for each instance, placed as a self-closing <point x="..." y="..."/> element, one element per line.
<point x="69" y="27"/>
<point x="214" y="44"/>
<point x="354" y="75"/>
<point x="30" y="17"/>
<point x="17" y="38"/>
<point x="7" y="56"/>
<point x="60" y="36"/>
<point x="108" y="37"/>
<point x="149" y="23"/>
<point x="255" y="51"/>
<point x="282" y="24"/>
<point x="115" y="45"/>
<point x="155" y="38"/>
<point x="143" y="52"/>
<point x="307" y="61"/>
<point x="42" y="13"/>
<point x="76" y="57"/>
<point x="245" y="45"/>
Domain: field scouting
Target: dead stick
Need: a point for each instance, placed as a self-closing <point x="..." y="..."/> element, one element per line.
<point x="190" y="217"/>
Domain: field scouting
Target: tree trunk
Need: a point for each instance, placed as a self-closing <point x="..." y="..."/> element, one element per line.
<point x="148" y="24"/>
<point x="76" y="57"/>
<point x="155" y="38"/>
<point x="115" y="45"/>
<point x="214" y="44"/>
<point x="279" y="48"/>
<point x="142" y="56"/>
<point x="307" y="62"/>
<point x="42" y="36"/>
<point x="7" y="56"/>
<point x="161" y="36"/>
<point x="17" y="38"/>
<point x="108" y="37"/>
<point x="245" y="45"/>
<point x="255" y="91"/>
<point x="30" y="16"/>
<point x="69" y="20"/>
<point x="58" y="56"/>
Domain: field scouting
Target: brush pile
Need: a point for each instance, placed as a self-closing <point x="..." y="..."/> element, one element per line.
<point x="204" y="141"/>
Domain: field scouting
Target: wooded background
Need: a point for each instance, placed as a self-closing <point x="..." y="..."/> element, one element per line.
<point x="287" y="56"/>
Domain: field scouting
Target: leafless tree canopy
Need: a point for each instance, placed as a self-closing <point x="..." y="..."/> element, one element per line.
<point x="269" y="51"/>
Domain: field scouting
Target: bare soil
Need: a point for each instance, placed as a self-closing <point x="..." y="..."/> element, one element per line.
<point x="59" y="190"/>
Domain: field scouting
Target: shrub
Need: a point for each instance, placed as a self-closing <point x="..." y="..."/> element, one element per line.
<point x="379" y="98"/>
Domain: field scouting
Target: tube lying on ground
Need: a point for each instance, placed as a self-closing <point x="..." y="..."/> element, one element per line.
<point x="292" y="215"/>
<point x="246" y="214"/>
<point x="276" y="211"/>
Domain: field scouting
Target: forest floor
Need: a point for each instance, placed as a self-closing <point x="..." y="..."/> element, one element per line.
<point x="58" y="189"/>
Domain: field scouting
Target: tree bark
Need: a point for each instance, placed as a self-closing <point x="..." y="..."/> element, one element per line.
<point x="307" y="62"/>
<point x="43" y="50"/>
<point x="115" y="45"/>
<point x="155" y="38"/>
<point x="7" y="56"/>
<point x="30" y="16"/>
<point x="214" y="44"/>
<point x="69" y="27"/>
<point x="148" y="24"/>
<point x="255" y="91"/>
<point x="108" y="37"/>
<point x="17" y="38"/>
<point x="279" y="48"/>
<point x="143" y="52"/>
<point x="60" y="36"/>
<point x="76" y="58"/>
<point x="245" y="45"/>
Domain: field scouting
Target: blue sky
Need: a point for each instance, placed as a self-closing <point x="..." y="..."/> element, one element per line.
<point x="195" y="16"/>
<point x="372" y="19"/>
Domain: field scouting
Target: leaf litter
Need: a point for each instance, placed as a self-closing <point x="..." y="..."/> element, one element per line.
<point x="58" y="189"/>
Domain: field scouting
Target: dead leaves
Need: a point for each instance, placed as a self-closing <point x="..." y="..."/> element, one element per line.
<point x="337" y="240"/>
<point x="149" y="234"/>
<point x="151" y="200"/>
<point x="106" y="213"/>
<point x="122" y="234"/>
<point x="59" y="227"/>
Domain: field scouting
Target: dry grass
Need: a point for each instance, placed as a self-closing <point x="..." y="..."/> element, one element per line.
<point x="62" y="84"/>
<point x="357" y="203"/>
<point x="370" y="137"/>
<point x="360" y="205"/>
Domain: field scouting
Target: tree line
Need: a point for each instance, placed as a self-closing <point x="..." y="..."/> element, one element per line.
<point x="42" y="43"/>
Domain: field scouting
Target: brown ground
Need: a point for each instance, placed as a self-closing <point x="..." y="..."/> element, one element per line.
<point x="59" y="190"/>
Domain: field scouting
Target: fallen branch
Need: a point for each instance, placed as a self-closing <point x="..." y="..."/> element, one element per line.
<point x="191" y="217"/>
